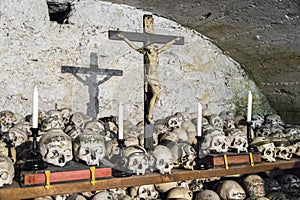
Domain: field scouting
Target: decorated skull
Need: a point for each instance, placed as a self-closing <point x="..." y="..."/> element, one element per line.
<point x="228" y="120"/>
<point x="51" y="122"/>
<point x="56" y="147"/>
<point x="180" y="193"/>
<point x="7" y="170"/>
<point x="266" y="147"/>
<point x="93" y="125"/>
<point x="231" y="190"/>
<point x="196" y="185"/>
<point x="263" y="131"/>
<point x="254" y="185"/>
<point x="143" y="192"/>
<point x="136" y="159"/>
<point x="161" y="159"/>
<point x="89" y="147"/>
<point x="207" y="195"/>
<point x="173" y="122"/>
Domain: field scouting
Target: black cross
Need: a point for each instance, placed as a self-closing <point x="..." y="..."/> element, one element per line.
<point x="91" y="81"/>
<point x="147" y="37"/>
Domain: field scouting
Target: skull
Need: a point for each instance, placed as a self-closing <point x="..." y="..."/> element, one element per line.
<point x="290" y="184"/>
<point x="231" y="190"/>
<point x="7" y="120"/>
<point x="283" y="148"/>
<point x="90" y="148"/>
<point x="79" y="118"/>
<point x="207" y="195"/>
<point x="274" y="119"/>
<point x="164" y="187"/>
<point x="7" y="170"/>
<point x="73" y="131"/>
<point x="266" y="147"/>
<point x="131" y="139"/>
<point x="18" y="136"/>
<point x="214" y="140"/>
<point x="216" y="121"/>
<point x="143" y="192"/>
<point x="272" y="185"/>
<point x="44" y="198"/>
<point x="254" y="185"/>
<point x="264" y="130"/>
<point x="56" y="147"/>
<point x="183" y="116"/>
<point x="180" y="193"/>
<point x="279" y="196"/>
<point x="228" y="120"/>
<point x="183" y="155"/>
<point x="93" y="125"/>
<point x="55" y="114"/>
<point x="118" y="193"/>
<point x="257" y="121"/>
<point x="66" y="115"/>
<point x="239" y="140"/>
<point x="162" y="159"/>
<point x="196" y="185"/>
<point x="75" y="197"/>
<point x="50" y="123"/>
<point x="181" y="134"/>
<point x="102" y="195"/>
<point x="190" y="129"/>
<point x="173" y="122"/>
<point x="136" y="159"/>
<point x="295" y="141"/>
<point x="289" y="131"/>
<point x="112" y="148"/>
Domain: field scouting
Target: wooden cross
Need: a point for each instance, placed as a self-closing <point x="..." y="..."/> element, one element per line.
<point x="91" y="81"/>
<point x="150" y="52"/>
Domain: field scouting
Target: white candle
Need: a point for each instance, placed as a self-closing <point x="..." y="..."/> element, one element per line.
<point x="35" y="107"/>
<point x="120" y="135"/>
<point x="199" y="120"/>
<point x="249" y="113"/>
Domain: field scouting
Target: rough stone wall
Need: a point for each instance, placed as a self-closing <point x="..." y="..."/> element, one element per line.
<point x="33" y="50"/>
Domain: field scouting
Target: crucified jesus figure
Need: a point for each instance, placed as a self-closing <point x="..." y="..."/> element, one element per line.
<point x="151" y="61"/>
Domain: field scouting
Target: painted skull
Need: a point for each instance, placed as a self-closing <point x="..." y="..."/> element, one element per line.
<point x="89" y="147"/>
<point x="56" y="147"/>
<point x="231" y="190"/>
<point x="254" y="185"/>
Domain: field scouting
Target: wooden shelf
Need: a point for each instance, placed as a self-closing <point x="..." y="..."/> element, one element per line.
<point x="14" y="191"/>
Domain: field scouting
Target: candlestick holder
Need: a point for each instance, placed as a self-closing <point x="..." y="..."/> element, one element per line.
<point x="250" y="147"/>
<point x="35" y="161"/>
<point x="119" y="170"/>
<point x="200" y="154"/>
<point x="8" y="141"/>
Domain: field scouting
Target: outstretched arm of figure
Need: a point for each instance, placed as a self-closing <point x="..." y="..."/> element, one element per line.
<point x="135" y="47"/>
<point x="168" y="44"/>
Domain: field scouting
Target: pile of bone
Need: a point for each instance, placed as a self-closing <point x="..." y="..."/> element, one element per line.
<point x="65" y="135"/>
<point x="248" y="187"/>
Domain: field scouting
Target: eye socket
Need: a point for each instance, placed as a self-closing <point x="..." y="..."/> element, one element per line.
<point x="84" y="151"/>
<point x="161" y="162"/>
<point x="134" y="162"/>
<point x="4" y="175"/>
<point x="54" y="154"/>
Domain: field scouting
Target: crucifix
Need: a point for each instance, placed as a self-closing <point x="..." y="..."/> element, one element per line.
<point x="91" y="81"/>
<point x="151" y="79"/>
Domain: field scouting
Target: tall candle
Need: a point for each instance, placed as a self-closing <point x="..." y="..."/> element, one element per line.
<point x="35" y="107"/>
<point x="249" y="113"/>
<point x="199" y="120"/>
<point x="120" y="135"/>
